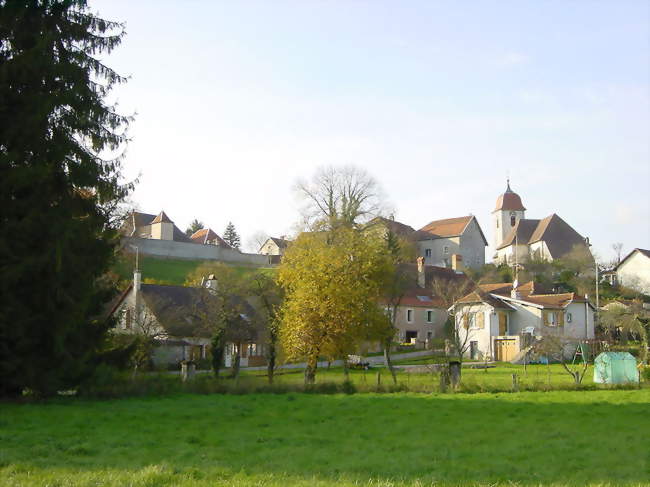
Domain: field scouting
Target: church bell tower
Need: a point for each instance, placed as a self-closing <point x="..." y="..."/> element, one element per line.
<point x="507" y="212"/>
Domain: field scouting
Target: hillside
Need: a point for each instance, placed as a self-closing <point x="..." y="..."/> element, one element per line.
<point x="167" y="270"/>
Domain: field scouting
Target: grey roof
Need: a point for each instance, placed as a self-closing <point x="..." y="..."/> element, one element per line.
<point x="522" y="231"/>
<point x="559" y="236"/>
<point x="179" y="309"/>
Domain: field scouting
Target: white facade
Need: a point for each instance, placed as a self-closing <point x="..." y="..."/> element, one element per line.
<point x="577" y="324"/>
<point x="162" y="231"/>
<point x="634" y="272"/>
<point x="503" y="222"/>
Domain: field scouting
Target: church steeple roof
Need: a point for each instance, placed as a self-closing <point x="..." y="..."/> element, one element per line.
<point x="509" y="201"/>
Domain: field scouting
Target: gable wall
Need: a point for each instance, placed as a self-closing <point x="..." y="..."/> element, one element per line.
<point x="635" y="273"/>
<point x="472" y="246"/>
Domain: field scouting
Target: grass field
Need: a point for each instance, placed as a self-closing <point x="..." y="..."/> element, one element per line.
<point x="167" y="271"/>
<point x="554" y="438"/>
<point x="497" y="378"/>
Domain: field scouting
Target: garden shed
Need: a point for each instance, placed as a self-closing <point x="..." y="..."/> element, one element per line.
<point x="615" y="368"/>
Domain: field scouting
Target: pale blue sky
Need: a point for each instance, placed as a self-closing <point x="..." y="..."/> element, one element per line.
<point x="437" y="100"/>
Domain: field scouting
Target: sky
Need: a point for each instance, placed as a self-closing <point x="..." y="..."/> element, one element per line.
<point x="440" y="101"/>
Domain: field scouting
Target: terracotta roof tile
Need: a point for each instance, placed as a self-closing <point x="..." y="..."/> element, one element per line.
<point x="161" y="218"/>
<point x="450" y="227"/>
<point x="206" y="235"/>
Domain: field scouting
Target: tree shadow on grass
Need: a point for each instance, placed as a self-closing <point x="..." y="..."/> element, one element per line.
<point x="558" y="437"/>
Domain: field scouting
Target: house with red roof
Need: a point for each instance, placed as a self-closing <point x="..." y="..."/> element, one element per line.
<point x="497" y="321"/>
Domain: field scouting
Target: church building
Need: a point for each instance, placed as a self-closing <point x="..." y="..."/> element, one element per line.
<point x="516" y="238"/>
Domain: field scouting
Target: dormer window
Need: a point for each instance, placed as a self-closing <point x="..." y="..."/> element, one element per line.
<point x="513" y="218"/>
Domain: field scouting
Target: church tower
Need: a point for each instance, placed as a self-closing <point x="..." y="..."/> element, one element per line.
<point x="508" y="211"/>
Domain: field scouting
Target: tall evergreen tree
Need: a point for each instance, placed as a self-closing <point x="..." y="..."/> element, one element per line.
<point x="57" y="192"/>
<point x="231" y="236"/>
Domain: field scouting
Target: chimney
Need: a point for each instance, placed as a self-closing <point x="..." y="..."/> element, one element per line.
<point x="421" y="279"/>
<point x="457" y="262"/>
<point x="137" y="284"/>
<point x="137" y="280"/>
<point x="515" y="294"/>
<point x="211" y="282"/>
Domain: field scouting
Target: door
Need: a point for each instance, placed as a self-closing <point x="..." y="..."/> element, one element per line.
<point x="503" y="323"/>
<point x="505" y="349"/>
<point x="473" y="350"/>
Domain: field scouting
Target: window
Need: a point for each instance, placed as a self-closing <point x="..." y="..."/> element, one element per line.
<point x="429" y="316"/>
<point x="497" y="223"/>
<point x="477" y="320"/>
<point x="409" y="316"/>
<point x="445" y="250"/>
<point x="411" y="336"/>
<point x="569" y="317"/>
<point x="429" y="335"/>
<point x="553" y="318"/>
<point x="427" y="252"/>
<point x="513" y="218"/>
<point x="127" y="319"/>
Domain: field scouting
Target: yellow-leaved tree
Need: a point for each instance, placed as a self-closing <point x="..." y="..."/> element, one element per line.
<point x="333" y="282"/>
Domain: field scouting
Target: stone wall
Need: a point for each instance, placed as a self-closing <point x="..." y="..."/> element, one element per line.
<point x="183" y="250"/>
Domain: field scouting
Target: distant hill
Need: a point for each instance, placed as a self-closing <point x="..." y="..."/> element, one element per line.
<point x="167" y="270"/>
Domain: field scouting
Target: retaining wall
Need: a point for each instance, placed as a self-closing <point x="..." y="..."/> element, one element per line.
<point x="190" y="251"/>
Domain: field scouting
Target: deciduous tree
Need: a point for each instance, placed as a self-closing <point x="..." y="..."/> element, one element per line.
<point x="333" y="286"/>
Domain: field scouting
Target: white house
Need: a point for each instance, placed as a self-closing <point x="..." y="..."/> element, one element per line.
<point x="634" y="271"/>
<point x="497" y="321"/>
<point x="516" y="238"/>
<point x="274" y="246"/>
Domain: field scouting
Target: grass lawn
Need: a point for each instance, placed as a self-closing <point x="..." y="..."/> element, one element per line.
<point x="553" y="438"/>
<point x="497" y="378"/>
<point x="168" y="271"/>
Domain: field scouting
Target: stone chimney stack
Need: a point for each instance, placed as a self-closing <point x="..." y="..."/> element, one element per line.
<point x="421" y="276"/>
<point x="457" y="262"/>
<point x="211" y="282"/>
<point x="515" y="294"/>
<point x="137" y="285"/>
<point x="137" y="280"/>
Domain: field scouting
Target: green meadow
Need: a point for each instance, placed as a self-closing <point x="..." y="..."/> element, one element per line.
<point x="555" y="438"/>
<point x="168" y="270"/>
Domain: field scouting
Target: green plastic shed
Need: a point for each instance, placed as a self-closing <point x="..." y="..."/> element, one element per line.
<point x="615" y="368"/>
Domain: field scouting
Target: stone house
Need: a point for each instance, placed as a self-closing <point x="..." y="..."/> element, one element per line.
<point x="440" y="240"/>
<point x="175" y="317"/>
<point x="421" y="314"/>
<point x="498" y="321"/>
<point x="452" y="242"/>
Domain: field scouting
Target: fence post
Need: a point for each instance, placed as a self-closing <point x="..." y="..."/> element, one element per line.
<point x="515" y="383"/>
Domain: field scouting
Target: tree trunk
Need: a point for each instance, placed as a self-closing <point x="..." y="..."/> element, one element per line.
<point x="236" y="361"/>
<point x="388" y="362"/>
<point x="270" y="369"/>
<point x="310" y="370"/>
<point x="346" y="369"/>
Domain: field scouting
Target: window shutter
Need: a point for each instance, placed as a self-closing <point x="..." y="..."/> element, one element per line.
<point x="560" y="318"/>
<point x="466" y="321"/>
<point x="546" y="318"/>
<point x="480" y="320"/>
